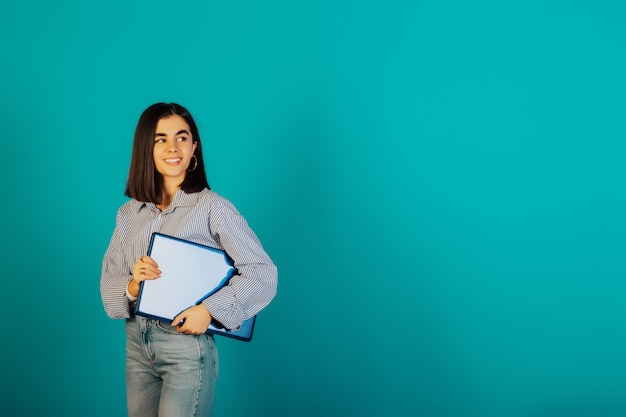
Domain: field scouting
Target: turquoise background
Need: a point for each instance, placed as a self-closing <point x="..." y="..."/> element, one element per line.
<point x="441" y="185"/>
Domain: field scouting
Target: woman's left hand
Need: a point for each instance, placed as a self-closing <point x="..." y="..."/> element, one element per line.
<point x="194" y="320"/>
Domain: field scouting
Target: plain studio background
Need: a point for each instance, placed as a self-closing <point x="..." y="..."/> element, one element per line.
<point x="441" y="184"/>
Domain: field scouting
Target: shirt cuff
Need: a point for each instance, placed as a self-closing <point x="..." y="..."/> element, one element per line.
<point x="225" y="309"/>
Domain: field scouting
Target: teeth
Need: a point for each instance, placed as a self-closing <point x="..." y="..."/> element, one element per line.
<point x="172" y="160"/>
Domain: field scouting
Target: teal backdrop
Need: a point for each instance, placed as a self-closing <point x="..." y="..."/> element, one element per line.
<point x="441" y="184"/>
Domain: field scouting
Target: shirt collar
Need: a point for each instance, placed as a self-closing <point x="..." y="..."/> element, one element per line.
<point x="181" y="199"/>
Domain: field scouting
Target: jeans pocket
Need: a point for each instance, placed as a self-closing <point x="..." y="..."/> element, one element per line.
<point x="166" y="328"/>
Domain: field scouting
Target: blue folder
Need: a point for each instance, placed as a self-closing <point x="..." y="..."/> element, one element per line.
<point x="190" y="272"/>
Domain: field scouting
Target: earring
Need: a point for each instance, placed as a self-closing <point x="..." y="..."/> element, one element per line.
<point x="195" y="159"/>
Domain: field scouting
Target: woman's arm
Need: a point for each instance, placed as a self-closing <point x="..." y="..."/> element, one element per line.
<point x="255" y="284"/>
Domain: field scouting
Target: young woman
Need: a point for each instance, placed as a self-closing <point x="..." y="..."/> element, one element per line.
<point x="171" y="368"/>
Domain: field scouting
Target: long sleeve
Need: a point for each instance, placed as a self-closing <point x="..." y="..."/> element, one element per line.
<point x="255" y="284"/>
<point x="114" y="279"/>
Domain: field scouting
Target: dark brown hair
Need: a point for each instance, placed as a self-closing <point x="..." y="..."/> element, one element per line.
<point x="144" y="182"/>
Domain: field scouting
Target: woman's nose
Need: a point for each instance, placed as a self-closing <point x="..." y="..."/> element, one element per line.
<point x="173" y="146"/>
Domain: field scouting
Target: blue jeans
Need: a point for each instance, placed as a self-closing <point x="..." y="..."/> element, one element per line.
<point x="168" y="374"/>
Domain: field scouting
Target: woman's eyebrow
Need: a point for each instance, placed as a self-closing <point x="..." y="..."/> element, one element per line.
<point x="180" y="132"/>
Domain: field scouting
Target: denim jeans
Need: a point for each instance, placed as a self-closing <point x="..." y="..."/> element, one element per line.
<point x="168" y="374"/>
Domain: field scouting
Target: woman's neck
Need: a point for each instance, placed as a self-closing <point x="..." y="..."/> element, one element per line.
<point x="167" y="196"/>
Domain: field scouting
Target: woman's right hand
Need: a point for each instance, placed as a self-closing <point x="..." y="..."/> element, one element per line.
<point x="145" y="268"/>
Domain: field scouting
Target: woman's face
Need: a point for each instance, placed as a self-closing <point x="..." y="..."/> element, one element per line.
<point x="173" y="148"/>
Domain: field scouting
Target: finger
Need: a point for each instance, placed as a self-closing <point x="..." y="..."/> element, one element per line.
<point x="147" y="272"/>
<point x="178" y="321"/>
<point x="148" y="260"/>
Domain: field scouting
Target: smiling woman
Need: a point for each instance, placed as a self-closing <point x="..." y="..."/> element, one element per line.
<point x="171" y="367"/>
<point x="159" y="128"/>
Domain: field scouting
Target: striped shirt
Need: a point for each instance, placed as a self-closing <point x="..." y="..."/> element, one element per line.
<point x="205" y="218"/>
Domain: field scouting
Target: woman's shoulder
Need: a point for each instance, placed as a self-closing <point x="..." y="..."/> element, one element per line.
<point x="126" y="213"/>
<point x="212" y="197"/>
<point x="215" y="200"/>
<point x="129" y="207"/>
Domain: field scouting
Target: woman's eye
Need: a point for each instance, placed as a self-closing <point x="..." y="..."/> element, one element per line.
<point x="159" y="141"/>
<point x="182" y="139"/>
